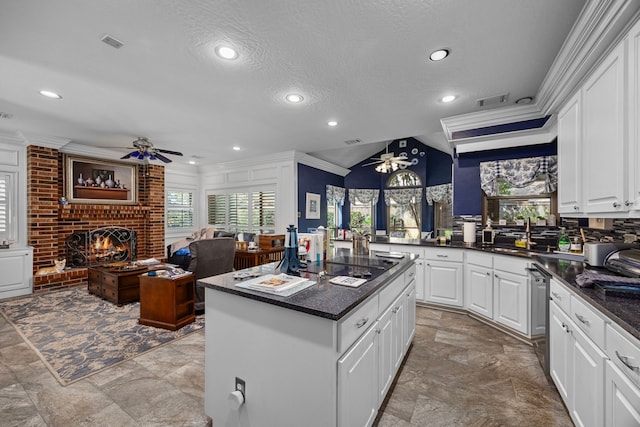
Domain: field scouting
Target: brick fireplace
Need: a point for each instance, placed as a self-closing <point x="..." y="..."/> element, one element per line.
<point x="50" y="223"/>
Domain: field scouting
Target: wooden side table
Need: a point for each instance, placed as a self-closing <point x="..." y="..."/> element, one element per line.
<point x="253" y="257"/>
<point x="167" y="303"/>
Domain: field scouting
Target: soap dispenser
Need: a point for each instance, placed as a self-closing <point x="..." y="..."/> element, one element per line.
<point x="564" y="244"/>
<point x="488" y="234"/>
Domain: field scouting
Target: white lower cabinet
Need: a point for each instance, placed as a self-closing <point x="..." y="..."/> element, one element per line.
<point x="622" y="406"/>
<point x="478" y="290"/>
<point x="410" y="312"/>
<point x="358" y="381"/>
<point x="17" y="272"/>
<point x="443" y="272"/>
<point x="510" y="300"/>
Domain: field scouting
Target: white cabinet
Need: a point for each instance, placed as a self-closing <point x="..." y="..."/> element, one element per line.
<point x="603" y="137"/>
<point x="358" y="382"/>
<point x="622" y="405"/>
<point x="510" y="300"/>
<point x="410" y="313"/>
<point x="577" y="367"/>
<point x="569" y="156"/>
<point x="478" y="283"/>
<point x="17" y="272"/>
<point x="443" y="276"/>
<point x="419" y="279"/>
<point x="386" y="353"/>
<point x="632" y="200"/>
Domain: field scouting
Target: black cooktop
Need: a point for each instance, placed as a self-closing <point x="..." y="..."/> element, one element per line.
<point x="377" y="263"/>
<point x="359" y="271"/>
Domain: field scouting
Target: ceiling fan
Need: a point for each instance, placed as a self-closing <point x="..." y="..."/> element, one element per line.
<point x="144" y="149"/>
<point x="389" y="162"/>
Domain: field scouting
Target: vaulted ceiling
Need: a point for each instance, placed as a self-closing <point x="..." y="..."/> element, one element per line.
<point x="363" y="64"/>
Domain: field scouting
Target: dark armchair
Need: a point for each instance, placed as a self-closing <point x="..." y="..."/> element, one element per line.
<point x="208" y="258"/>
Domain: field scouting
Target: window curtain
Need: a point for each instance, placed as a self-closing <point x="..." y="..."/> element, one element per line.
<point x="335" y="195"/>
<point x="403" y="196"/>
<point x="519" y="173"/>
<point x="364" y="196"/>
<point x="439" y="194"/>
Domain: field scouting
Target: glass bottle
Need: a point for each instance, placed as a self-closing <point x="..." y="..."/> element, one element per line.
<point x="564" y="244"/>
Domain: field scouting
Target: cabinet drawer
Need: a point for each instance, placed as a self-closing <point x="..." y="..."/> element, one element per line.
<point x="184" y="292"/>
<point x="444" y="254"/>
<point x="479" y="258"/>
<point x="391" y="292"/>
<point x="588" y="320"/>
<point x="511" y="264"/>
<point x="356" y="323"/>
<point x="410" y="274"/>
<point x="561" y="296"/>
<point x="95" y="276"/>
<point x="624" y="353"/>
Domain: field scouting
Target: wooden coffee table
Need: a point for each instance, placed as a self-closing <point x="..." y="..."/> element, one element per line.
<point x="117" y="285"/>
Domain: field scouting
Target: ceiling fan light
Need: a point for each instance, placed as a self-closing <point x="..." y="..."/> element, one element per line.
<point x="140" y="156"/>
<point x="152" y="157"/>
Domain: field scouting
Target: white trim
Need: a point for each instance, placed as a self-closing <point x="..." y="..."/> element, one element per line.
<point x="512" y="139"/>
<point x="323" y="165"/>
<point x="44" y="141"/>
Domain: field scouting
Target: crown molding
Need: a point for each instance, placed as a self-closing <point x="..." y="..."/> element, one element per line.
<point x="323" y="165"/>
<point x="600" y="25"/>
<point x="44" y="141"/>
<point x="543" y="135"/>
<point x="90" y="151"/>
<point x="13" y="138"/>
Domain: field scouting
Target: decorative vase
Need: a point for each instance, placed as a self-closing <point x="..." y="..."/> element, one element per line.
<point x="360" y="244"/>
<point x="80" y="180"/>
<point x="88" y="182"/>
<point x="98" y="180"/>
<point x="110" y="183"/>
<point x="103" y="185"/>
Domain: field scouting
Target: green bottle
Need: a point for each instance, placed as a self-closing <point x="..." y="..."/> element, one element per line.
<point x="564" y="244"/>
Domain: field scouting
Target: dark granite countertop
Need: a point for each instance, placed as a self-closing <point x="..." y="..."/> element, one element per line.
<point x="322" y="299"/>
<point x="623" y="311"/>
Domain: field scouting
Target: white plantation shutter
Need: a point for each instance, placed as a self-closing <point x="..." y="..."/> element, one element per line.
<point x="179" y="209"/>
<point x="263" y="212"/>
<point x="217" y="209"/>
<point x="6" y="206"/>
<point x="239" y="212"/>
<point x="243" y="212"/>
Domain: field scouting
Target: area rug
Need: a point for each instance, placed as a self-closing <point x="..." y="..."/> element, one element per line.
<point x="77" y="334"/>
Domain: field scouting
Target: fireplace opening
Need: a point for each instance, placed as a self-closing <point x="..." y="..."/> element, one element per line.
<point x="101" y="246"/>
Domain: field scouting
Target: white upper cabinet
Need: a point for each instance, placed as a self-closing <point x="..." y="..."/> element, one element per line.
<point x="632" y="200"/>
<point x="603" y="136"/>
<point x="569" y="160"/>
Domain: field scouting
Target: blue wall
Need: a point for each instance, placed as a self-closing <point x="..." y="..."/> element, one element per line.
<point x="467" y="195"/>
<point x="433" y="168"/>
<point x="312" y="180"/>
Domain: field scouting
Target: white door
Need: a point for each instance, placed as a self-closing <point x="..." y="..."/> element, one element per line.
<point x="603" y="137"/>
<point x="410" y="313"/>
<point x="511" y="300"/>
<point x="560" y="350"/>
<point x="358" y="382"/>
<point x="443" y="284"/>
<point x="478" y="289"/>
<point x="622" y="405"/>
<point x="587" y="381"/>
<point x="569" y="159"/>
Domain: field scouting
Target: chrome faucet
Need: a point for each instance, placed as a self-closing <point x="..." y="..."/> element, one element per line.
<point x="527" y="232"/>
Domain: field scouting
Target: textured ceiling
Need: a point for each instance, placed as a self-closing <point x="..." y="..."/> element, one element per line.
<point x="363" y="63"/>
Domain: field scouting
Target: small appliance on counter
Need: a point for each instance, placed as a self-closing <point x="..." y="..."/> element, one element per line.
<point x="595" y="253"/>
<point x="625" y="262"/>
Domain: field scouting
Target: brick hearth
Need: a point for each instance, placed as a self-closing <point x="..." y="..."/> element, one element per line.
<point x="49" y="222"/>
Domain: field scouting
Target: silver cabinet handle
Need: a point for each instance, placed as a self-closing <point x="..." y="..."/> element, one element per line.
<point x="488" y="274"/>
<point x="362" y="322"/>
<point x="575" y="207"/>
<point x="495" y="275"/>
<point x="616" y="204"/>
<point x="378" y="330"/>
<point x="582" y="319"/>
<point x="625" y="362"/>
<point x="627" y="203"/>
<point x="395" y="310"/>
<point x="566" y="328"/>
<point x="442" y="256"/>
<point x="557" y="296"/>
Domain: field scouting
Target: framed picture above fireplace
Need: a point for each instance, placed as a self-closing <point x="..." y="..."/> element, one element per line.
<point x="94" y="181"/>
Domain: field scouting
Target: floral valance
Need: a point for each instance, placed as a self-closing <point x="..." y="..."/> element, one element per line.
<point x="403" y="196"/>
<point x="442" y="193"/>
<point x="364" y="195"/>
<point x="335" y="195"/>
<point x="519" y="173"/>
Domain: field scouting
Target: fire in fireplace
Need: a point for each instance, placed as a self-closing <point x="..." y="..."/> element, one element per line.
<point x="101" y="246"/>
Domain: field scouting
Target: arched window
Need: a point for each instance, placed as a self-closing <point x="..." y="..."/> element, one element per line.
<point x="403" y="197"/>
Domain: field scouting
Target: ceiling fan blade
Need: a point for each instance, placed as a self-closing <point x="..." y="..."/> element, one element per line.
<point x="402" y="162"/>
<point x="126" y="156"/>
<point x="161" y="157"/>
<point x="175" y="153"/>
<point x="373" y="163"/>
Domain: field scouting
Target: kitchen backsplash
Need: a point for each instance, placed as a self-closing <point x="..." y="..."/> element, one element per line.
<point x="547" y="235"/>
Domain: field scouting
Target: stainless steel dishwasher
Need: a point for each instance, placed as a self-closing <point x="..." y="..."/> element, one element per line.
<point x="540" y="278"/>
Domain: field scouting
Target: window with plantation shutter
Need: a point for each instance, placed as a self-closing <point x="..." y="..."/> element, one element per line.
<point x="243" y="212"/>
<point x="6" y="207"/>
<point x="179" y="209"/>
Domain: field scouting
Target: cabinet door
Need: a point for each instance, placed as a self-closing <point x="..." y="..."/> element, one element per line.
<point x="587" y="381"/>
<point x="622" y="405"/>
<point x="569" y="159"/>
<point x="386" y="352"/>
<point x="410" y="314"/>
<point x="603" y="137"/>
<point x="560" y="350"/>
<point x="633" y="144"/>
<point x="399" y="310"/>
<point x="419" y="280"/>
<point x="478" y="290"/>
<point x="443" y="283"/>
<point x="511" y="300"/>
<point x="358" y="382"/>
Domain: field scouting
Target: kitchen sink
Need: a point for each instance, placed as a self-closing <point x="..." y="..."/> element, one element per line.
<point x="513" y="251"/>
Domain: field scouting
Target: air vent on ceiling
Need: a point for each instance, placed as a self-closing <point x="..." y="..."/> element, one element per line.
<point x="352" y="141"/>
<point x="5" y="115"/>
<point x="493" y="100"/>
<point x="112" y="41"/>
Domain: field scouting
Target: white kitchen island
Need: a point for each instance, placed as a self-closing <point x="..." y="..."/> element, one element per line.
<point x="325" y="356"/>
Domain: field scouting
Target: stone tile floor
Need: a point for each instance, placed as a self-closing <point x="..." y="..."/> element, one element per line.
<point x="459" y="372"/>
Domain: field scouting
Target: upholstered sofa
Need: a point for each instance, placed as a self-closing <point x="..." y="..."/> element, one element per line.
<point x="178" y="252"/>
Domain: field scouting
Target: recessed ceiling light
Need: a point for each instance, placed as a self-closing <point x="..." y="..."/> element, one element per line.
<point x="236" y="148"/>
<point x="439" y="54"/>
<point x="332" y="123"/>
<point x="448" y="98"/>
<point x="226" y="52"/>
<point x="294" y="98"/>
<point x="192" y="162"/>
<point x="50" y="94"/>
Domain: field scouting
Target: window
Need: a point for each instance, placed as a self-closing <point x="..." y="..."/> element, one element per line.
<point x="404" y="205"/>
<point x="179" y="209"/>
<point x="332" y="219"/>
<point x="513" y="204"/>
<point x="7" y="206"/>
<point x="243" y="212"/>
<point x="361" y="216"/>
